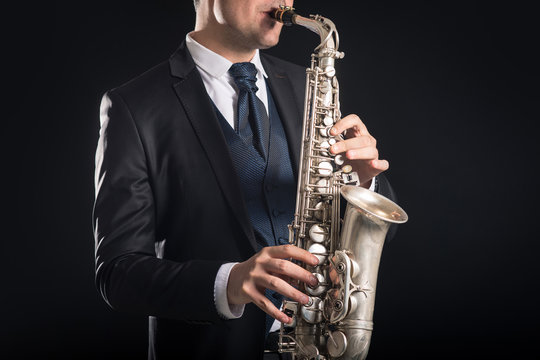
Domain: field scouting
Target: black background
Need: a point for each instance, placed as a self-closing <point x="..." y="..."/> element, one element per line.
<point x="447" y="88"/>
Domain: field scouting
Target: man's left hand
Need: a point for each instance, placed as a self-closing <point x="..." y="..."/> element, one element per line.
<point x="360" y="149"/>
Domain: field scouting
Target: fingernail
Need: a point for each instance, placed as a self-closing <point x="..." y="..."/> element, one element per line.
<point x="334" y="148"/>
<point x="333" y="131"/>
<point x="285" y="319"/>
<point x="304" y="299"/>
<point x="313" y="281"/>
<point x="315" y="260"/>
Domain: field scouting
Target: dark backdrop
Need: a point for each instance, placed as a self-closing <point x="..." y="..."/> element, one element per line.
<point x="449" y="91"/>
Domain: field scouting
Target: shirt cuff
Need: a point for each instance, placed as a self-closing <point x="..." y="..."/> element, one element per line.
<point x="224" y="309"/>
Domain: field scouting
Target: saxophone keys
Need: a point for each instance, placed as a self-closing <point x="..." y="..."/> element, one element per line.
<point x="336" y="344"/>
<point x="325" y="95"/>
<point x="290" y="308"/>
<point x="325" y="86"/>
<point x="328" y="120"/>
<point x="317" y="233"/>
<point x="330" y="71"/>
<point x="322" y="186"/>
<point x="325" y="131"/>
<point x="310" y="352"/>
<point x="324" y="146"/>
<point x="312" y="311"/>
<point x="325" y="168"/>
<point x="318" y="251"/>
<point x="321" y="213"/>
<point x="318" y="289"/>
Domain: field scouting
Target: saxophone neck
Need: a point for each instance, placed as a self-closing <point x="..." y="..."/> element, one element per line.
<point x="320" y="25"/>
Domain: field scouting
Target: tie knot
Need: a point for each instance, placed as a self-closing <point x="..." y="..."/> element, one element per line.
<point x="244" y="75"/>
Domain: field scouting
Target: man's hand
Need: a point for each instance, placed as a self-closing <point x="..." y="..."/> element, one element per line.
<point x="360" y="149"/>
<point x="270" y="269"/>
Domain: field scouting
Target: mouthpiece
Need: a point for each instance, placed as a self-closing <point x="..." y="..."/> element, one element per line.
<point x="285" y="15"/>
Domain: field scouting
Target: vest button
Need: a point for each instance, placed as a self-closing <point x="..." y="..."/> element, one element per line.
<point x="276" y="212"/>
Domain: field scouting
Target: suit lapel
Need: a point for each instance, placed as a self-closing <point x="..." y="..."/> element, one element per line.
<point x="290" y="111"/>
<point x="203" y="118"/>
<point x="200" y="112"/>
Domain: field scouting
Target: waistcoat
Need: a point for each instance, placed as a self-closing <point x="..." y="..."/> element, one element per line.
<point x="268" y="186"/>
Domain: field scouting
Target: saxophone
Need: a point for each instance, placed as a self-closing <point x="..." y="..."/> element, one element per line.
<point x="336" y="323"/>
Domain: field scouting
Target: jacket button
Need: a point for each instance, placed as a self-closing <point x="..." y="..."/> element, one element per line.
<point x="276" y="212"/>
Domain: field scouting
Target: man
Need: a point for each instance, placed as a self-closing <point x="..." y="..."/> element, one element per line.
<point x="176" y="235"/>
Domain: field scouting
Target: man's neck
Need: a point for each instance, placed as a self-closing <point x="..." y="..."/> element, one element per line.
<point x="235" y="54"/>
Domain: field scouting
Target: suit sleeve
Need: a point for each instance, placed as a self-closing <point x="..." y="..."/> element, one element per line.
<point x="129" y="275"/>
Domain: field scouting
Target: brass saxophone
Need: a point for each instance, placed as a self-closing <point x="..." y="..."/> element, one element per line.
<point x="337" y="321"/>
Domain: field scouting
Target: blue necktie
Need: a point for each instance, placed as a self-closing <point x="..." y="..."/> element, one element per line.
<point x="252" y="123"/>
<point x="253" y="126"/>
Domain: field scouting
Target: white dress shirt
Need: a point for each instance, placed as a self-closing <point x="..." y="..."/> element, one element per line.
<point x="219" y="84"/>
<point x="223" y="91"/>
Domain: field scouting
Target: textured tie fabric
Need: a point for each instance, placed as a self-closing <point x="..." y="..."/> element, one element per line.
<point x="252" y="122"/>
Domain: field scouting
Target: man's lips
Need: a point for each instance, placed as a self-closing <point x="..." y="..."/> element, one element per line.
<point x="270" y="13"/>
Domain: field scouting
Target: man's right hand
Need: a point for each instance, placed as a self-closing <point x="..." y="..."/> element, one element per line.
<point x="270" y="269"/>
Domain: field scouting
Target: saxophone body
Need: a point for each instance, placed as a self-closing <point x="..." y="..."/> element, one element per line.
<point x="337" y="322"/>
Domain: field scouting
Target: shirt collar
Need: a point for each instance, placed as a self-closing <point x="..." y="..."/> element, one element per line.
<point x="213" y="63"/>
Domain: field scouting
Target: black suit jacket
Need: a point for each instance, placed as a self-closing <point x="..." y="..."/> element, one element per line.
<point x="169" y="209"/>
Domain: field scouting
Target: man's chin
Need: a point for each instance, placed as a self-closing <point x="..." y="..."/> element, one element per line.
<point x="267" y="46"/>
<point x="269" y="42"/>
